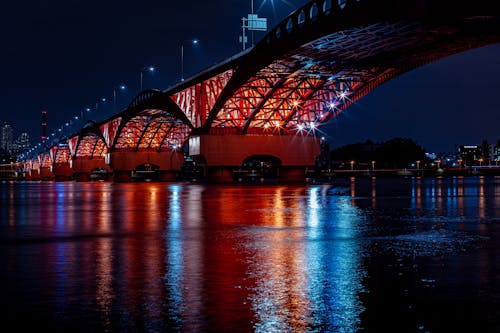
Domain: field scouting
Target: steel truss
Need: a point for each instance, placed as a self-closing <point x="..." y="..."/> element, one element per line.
<point x="154" y="130"/>
<point x="60" y="154"/>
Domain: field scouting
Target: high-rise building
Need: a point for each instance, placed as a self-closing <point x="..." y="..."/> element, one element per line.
<point x="7" y="137"/>
<point x="21" y="145"/>
<point x="496" y="152"/>
<point x="471" y="154"/>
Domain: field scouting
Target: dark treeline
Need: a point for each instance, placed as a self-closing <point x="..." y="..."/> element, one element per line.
<point x="394" y="153"/>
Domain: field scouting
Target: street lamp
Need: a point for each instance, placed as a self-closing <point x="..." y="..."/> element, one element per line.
<point x="193" y="43"/>
<point x="120" y="88"/>
<point x="352" y="165"/>
<point x="82" y="114"/>
<point x="150" y="69"/>
<point x="373" y="165"/>
<point x="102" y="99"/>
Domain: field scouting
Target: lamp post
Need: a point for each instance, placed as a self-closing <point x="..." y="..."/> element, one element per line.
<point x="82" y="114"/>
<point x="193" y="43"/>
<point x="373" y="165"/>
<point x="352" y="165"/>
<point x="102" y="99"/>
<point x="150" y="69"/>
<point x="120" y="88"/>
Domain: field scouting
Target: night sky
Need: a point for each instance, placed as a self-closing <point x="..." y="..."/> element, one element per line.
<point x="62" y="56"/>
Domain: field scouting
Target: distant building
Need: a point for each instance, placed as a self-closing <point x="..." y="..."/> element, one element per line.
<point x="7" y="137"/>
<point x="496" y="152"/>
<point x="471" y="154"/>
<point x="21" y="145"/>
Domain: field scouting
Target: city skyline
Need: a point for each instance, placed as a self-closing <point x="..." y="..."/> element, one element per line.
<point x="441" y="105"/>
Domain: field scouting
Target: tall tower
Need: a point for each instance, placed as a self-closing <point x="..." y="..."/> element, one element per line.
<point x="7" y="135"/>
<point x="44" y="127"/>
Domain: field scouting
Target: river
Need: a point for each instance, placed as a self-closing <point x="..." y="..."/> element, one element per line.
<point x="357" y="255"/>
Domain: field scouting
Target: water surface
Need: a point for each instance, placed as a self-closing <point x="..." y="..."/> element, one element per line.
<point x="402" y="255"/>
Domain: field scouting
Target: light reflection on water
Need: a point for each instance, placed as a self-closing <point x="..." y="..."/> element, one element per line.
<point x="287" y="258"/>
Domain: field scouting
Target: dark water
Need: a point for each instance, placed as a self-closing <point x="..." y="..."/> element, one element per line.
<point x="374" y="255"/>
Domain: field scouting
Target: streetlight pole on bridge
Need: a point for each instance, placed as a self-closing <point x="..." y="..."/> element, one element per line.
<point x="193" y="43"/>
<point x="150" y="69"/>
<point x="121" y="87"/>
<point x="102" y="99"/>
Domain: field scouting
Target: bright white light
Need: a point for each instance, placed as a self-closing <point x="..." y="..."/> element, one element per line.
<point x="76" y="117"/>
<point x="87" y="109"/>
<point x="331" y="105"/>
<point x="151" y="69"/>
<point x="312" y="125"/>
<point x="122" y="87"/>
<point x="295" y="103"/>
<point x="103" y="99"/>
<point x="266" y="125"/>
<point x="195" y="41"/>
<point x="342" y="95"/>
<point x="300" y="127"/>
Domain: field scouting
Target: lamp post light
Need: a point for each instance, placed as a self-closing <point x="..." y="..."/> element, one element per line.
<point x="373" y="165"/>
<point x="193" y="43"/>
<point x="121" y="87"/>
<point x="82" y="113"/>
<point x="150" y="69"/>
<point x="102" y="99"/>
<point x="352" y="165"/>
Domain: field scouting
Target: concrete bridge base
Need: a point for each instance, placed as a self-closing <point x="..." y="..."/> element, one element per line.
<point x="62" y="171"/>
<point x="224" y="155"/>
<point x="145" y="165"/>
<point x="85" y="169"/>
<point x="46" y="173"/>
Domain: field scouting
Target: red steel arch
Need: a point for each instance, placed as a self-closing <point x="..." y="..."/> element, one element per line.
<point x="327" y="55"/>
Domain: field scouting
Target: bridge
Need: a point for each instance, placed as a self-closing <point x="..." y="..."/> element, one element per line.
<point x="260" y="109"/>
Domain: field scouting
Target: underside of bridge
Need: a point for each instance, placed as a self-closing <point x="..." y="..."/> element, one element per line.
<point x="88" y="152"/>
<point x="271" y="101"/>
<point x="60" y="159"/>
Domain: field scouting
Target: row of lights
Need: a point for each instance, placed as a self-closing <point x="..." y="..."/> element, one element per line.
<point x="118" y="88"/>
<point x="100" y="100"/>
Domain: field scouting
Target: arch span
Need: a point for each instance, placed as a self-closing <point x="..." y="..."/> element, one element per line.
<point x="328" y="54"/>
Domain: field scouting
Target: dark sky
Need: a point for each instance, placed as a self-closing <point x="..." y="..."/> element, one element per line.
<point x="61" y="56"/>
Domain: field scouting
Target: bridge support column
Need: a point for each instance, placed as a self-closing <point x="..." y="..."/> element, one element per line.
<point x="146" y="165"/>
<point x="33" y="174"/>
<point x="62" y="171"/>
<point x="225" y="153"/>
<point x="86" y="168"/>
<point x="46" y="173"/>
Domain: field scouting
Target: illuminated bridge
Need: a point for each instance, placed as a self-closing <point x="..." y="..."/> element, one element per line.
<point x="263" y="106"/>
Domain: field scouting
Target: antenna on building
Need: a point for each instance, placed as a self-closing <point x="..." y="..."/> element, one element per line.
<point x="251" y="23"/>
<point x="44" y="127"/>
